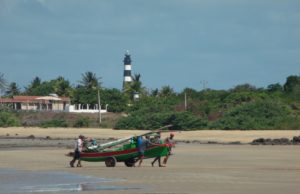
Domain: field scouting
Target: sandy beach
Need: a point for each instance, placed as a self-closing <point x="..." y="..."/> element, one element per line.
<point x="202" y="135"/>
<point x="194" y="168"/>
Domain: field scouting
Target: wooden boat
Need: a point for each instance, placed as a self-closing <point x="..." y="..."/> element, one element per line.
<point x="128" y="154"/>
<point x="122" y="150"/>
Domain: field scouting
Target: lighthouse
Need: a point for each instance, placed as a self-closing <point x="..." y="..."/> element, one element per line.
<point x="127" y="71"/>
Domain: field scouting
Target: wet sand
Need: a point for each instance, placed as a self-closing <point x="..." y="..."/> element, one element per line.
<point x="194" y="168"/>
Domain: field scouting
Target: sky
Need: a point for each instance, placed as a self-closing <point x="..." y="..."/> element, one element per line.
<point x="215" y="44"/>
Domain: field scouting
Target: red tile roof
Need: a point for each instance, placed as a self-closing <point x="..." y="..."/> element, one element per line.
<point x="29" y="99"/>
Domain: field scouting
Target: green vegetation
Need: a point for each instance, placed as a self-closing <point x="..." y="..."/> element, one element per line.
<point x="54" y="123"/>
<point x="243" y="107"/>
<point x="8" y="120"/>
<point x="82" y="122"/>
<point x="260" y="114"/>
<point x="179" y="120"/>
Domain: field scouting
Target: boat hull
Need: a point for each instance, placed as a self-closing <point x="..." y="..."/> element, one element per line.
<point x="126" y="154"/>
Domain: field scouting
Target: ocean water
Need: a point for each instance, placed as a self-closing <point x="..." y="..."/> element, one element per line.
<point x="16" y="181"/>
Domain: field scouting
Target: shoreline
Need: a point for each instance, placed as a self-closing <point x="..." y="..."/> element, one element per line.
<point x="105" y="133"/>
<point x="22" y="137"/>
<point x="68" y="143"/>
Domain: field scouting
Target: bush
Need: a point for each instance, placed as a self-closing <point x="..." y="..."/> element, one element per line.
<point x="82" y="122"/>
<point x="179" y="120"/>
<point x="290" y="123"/>
<point x="186" y="121"/>
<point x="8" y="120"/>
<point x="262" y="114"/>
<point x="54" y="123"/>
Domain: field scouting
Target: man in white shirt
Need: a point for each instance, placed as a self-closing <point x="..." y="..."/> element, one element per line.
<point x="78" y="149"/>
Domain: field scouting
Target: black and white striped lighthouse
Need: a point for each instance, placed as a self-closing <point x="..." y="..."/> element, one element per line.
<point x="127" y="70"/>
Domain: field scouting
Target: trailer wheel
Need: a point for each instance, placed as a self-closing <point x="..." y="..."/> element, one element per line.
<point x="110" y="162"/>
<point x="130" y="162"/>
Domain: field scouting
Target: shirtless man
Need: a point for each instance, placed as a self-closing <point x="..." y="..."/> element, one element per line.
<point x="169" y="140"/>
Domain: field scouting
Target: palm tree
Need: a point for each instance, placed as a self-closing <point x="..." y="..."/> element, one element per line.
<point x="36" y="82"/>
<point x="61" y="86"/>
<point x="136" y="84"/>
<point x="13" y="89"/>
<point x="90" y="80"/>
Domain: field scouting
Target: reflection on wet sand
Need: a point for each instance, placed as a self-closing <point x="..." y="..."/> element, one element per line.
<point x="17" y="181"/>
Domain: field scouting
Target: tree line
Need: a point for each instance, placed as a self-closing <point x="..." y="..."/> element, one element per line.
<point x="241" y="107"/>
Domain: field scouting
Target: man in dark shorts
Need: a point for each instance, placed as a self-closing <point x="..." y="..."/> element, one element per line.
<point x="78" y="149"/>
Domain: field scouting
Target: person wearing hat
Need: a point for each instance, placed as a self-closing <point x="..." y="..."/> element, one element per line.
<point x="78" y="149"/>
<point x="170" y="141"/>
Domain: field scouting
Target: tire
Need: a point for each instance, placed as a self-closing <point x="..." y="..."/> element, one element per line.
<point x="110" y="162"/>
<point x="130" y="162"/>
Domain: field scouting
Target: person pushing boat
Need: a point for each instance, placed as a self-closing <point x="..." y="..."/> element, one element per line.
<point x="170" y="141"/>
<point x="157" y="140"/>
<point x="142" y="145"/>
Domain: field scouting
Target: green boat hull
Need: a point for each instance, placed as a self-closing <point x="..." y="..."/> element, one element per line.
<point x="127" y="152"/>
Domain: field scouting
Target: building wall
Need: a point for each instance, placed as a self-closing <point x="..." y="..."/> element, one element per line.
<point x="38" y="106"/>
